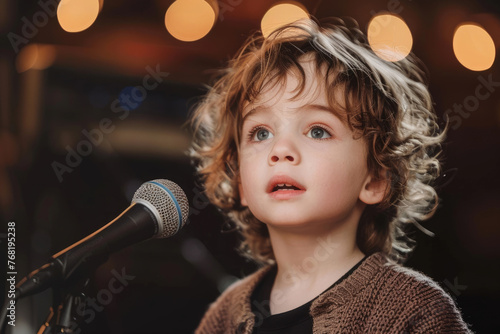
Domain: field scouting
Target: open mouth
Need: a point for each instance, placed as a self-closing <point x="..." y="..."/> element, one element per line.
<point x="284" y="186"/>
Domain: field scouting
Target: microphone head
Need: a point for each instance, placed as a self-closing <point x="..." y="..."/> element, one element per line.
<point x="168" y="203"/>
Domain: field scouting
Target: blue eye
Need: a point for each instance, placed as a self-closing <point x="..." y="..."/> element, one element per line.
<point x="318" y="133"/>
<point x="261" y="134"/>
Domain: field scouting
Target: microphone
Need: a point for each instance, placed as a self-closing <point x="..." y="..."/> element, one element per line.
<point x="159" y="209"/>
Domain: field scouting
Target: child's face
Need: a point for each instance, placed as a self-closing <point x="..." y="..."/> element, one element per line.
<point x="301" y="143"/>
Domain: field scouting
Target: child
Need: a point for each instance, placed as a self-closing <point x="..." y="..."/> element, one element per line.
<point x="322" y="153"/>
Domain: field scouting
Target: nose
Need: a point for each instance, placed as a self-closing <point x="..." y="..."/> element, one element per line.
<point x="284" y="150"/>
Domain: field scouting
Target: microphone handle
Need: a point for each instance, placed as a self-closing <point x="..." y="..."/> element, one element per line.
<point x="135" y="224"/>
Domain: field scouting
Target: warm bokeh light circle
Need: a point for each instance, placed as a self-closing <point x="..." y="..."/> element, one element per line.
<point x="389" y="37"/>
<point x="77" y="15"/>
<point x="473" y="47"/>
<point x="35" y="56"/>
<point x="280" y="15"/>
<point x="189" y="20"/>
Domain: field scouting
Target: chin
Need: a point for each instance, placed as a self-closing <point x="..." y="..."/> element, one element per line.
<point x="284" y="223"/>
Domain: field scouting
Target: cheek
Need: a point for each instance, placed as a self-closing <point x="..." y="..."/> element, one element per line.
<point x="252" y="157"/>
<point x="245" y="169"/>
<point x="243" y="199"/>
<point x="247" y="190"/>
<point x="247" y="173"/>
<point x="250" y="153"/>
<point x="342" y="172"/>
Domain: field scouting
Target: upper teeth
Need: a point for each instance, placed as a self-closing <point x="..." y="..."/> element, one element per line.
<point x="285" y="186"/>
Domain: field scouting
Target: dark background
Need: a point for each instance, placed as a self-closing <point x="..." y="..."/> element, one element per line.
<point x="44" y="111"/>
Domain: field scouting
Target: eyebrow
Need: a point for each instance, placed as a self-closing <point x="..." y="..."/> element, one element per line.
<point x="319" y="107"/>
<point x="341" y="116"/>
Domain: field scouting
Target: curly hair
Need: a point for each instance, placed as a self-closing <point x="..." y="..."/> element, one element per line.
<point x="386" y="103"/>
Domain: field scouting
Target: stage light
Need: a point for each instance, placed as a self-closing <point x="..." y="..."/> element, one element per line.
<point x="280" y="15"/>
<point x="473" y="47"/>
<point x="77" y="15"/>
<point x="389" y="37"/>
<point x="35" y="56"/>
<point x="190" y="20"/>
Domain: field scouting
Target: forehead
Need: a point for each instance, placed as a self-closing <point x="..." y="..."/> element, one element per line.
<point x="299" y="87"/>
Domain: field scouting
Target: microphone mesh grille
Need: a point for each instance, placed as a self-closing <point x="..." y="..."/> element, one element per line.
<point x="154" y="193"/>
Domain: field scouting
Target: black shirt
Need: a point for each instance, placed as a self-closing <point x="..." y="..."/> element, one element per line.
<point x="296" y="321"/>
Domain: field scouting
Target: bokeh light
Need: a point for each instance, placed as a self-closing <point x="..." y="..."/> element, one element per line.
<point x="77" y="15"/>
<point x="35" y="56"/>
<point x="280" y="15"/>
<point x="189" y="20"/>
<point x="473" y="47"/>
<point x="132" y="97"/>
<point x="389" y="37"/>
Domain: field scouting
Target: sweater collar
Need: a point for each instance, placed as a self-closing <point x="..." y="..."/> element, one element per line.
<point x="334" y="297"/>
<point x="351" y="286"/>
<point x="242" y="299"/>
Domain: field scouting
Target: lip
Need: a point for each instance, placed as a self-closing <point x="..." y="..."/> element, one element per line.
<point x="284" y="194"/>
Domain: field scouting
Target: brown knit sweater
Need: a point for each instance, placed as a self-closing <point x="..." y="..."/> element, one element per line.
<point x="378" y="297"/>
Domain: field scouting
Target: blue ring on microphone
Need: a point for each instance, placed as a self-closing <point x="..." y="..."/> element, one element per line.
<point x="179" y="213"/>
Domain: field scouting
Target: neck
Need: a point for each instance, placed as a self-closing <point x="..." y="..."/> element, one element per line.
<point x="308" y="257"/>
<point x="309" y="263"/>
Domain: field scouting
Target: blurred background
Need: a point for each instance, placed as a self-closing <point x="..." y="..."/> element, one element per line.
<point x="94" y="96"/>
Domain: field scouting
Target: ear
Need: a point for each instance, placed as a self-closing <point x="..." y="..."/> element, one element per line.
<point x="243" y="200"/>
<point x="374" y="189"/>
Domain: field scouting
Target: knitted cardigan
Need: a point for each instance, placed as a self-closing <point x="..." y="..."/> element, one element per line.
<point x="378" y="297"/>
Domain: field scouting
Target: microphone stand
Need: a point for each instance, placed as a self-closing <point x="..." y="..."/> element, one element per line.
<point x="62" y="317"/>
<point x="68" y="296"/>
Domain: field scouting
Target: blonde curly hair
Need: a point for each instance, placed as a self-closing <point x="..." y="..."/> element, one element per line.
<point x="387" y="103"/>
